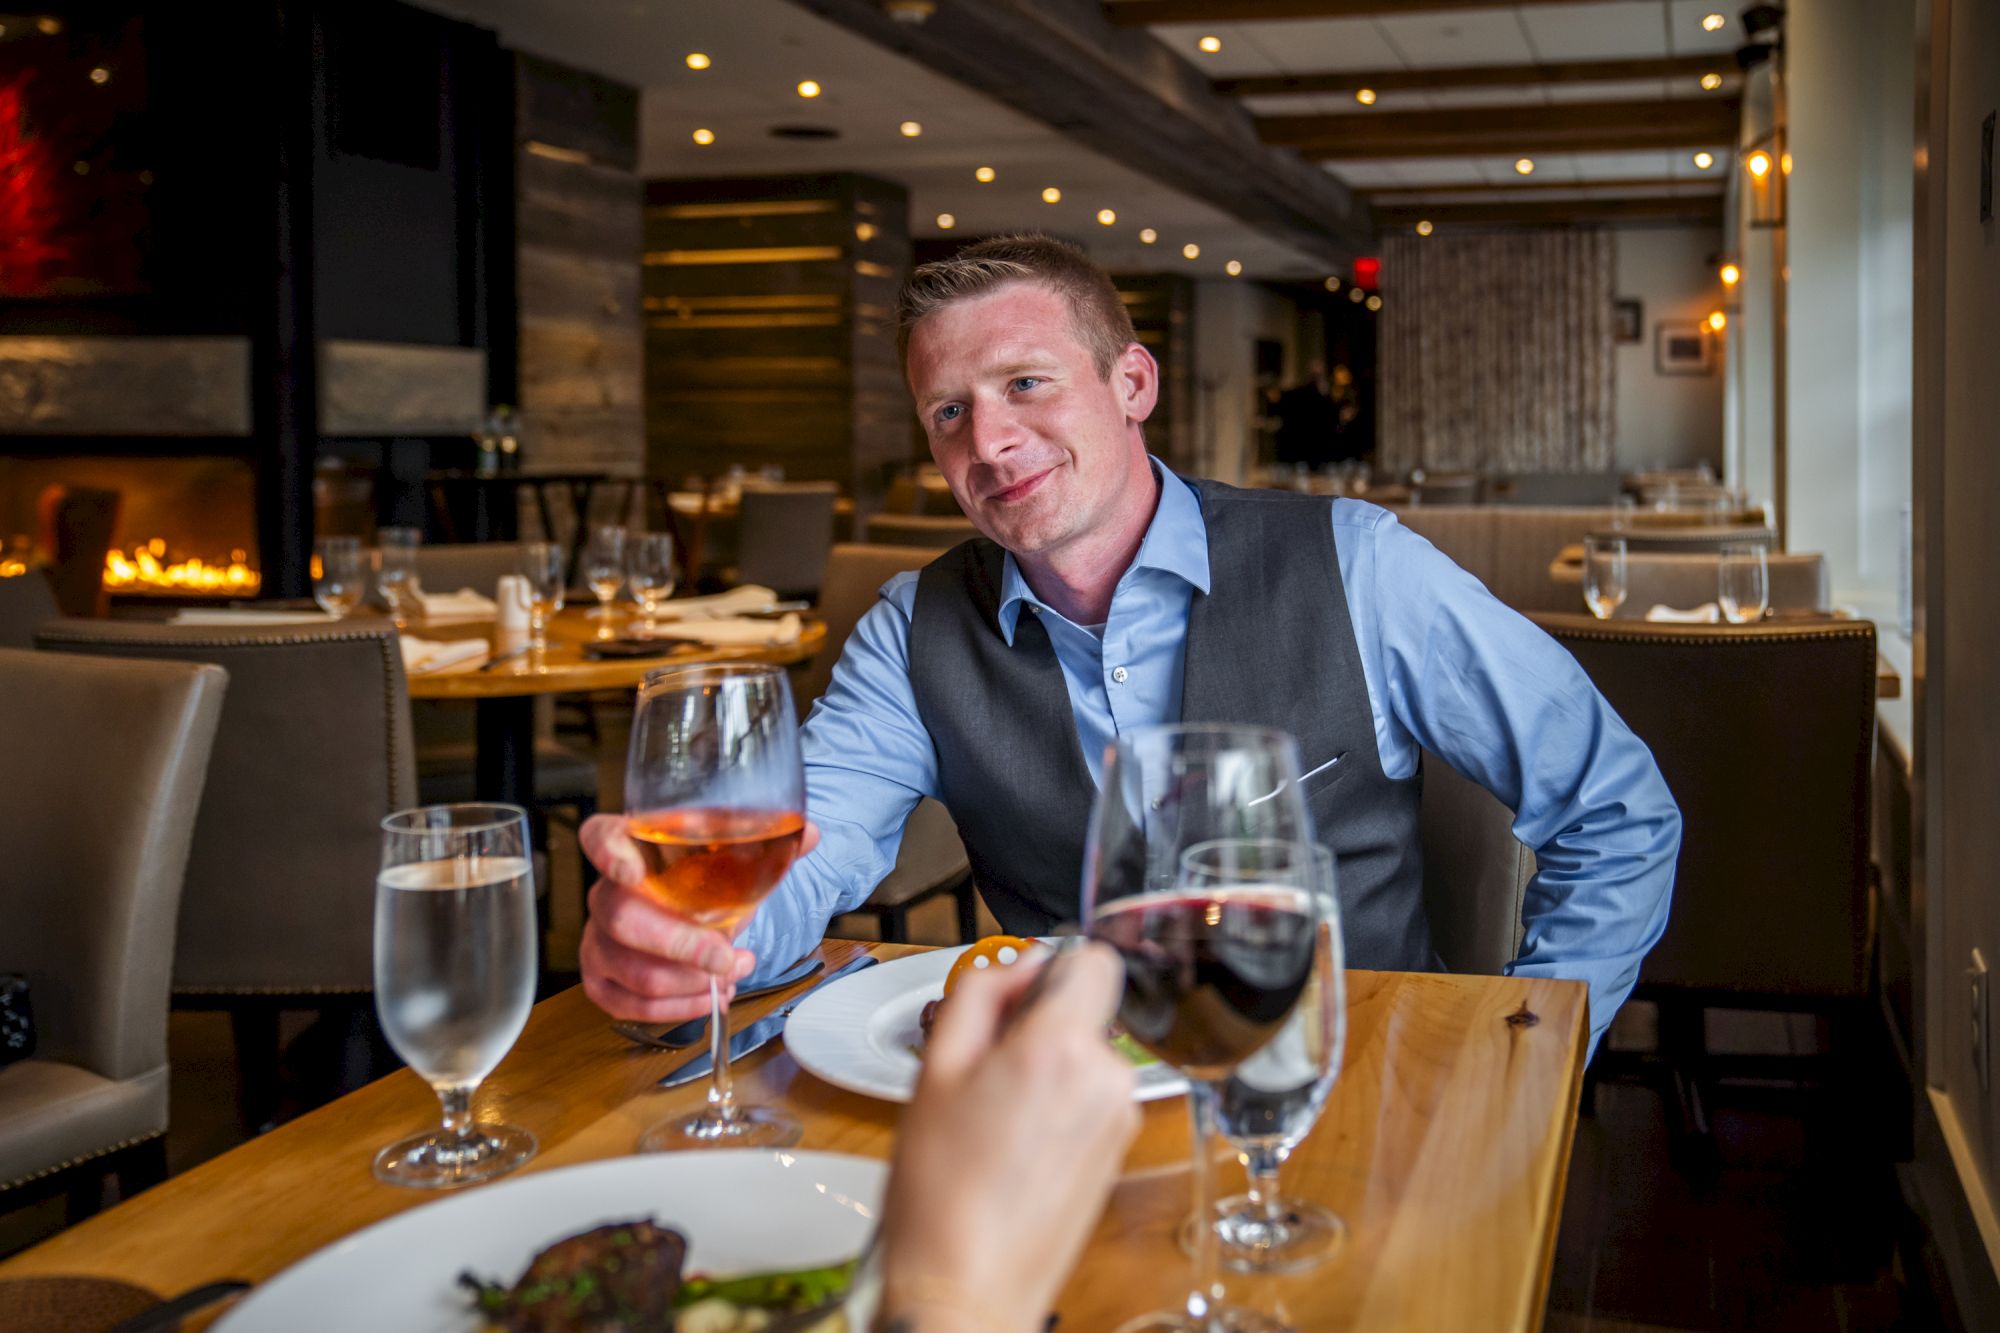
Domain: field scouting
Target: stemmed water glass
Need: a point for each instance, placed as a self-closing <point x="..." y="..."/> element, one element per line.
<point x="396" y="572"/>
<point x="1199" y="872"/>
<point x="1743" y="583"/>
<point x="542" y="568"/>
<point x="715" y="794"/>
<point x="604" y="566"/>
<point x="336" y="574"/>
<point x="651" y="570"/>
<point x="1604" y="566"/>
<point x="455" y="977"/>
<point x="1272" y="1100"/>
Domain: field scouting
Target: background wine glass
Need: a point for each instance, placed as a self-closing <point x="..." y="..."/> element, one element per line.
<point x="651" y="570"/>
<point x="542" y="567"/>
<point x="604" y="565"/>
<point x="1198" y="871"/>
<point x="1604" y="564"/>
<point x="715" y="794"/>
<point x="1272" y="1100"/>
<point x="1743" y="583"/>
<point x="396" y="572"/>
<point x="337" y="575"/>
<point x="455" y="977"/>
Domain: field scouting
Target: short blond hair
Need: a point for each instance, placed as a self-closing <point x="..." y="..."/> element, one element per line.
<point x="1097" y="316"/>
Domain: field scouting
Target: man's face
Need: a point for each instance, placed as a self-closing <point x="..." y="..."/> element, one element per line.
<point x="1037" y="447"/>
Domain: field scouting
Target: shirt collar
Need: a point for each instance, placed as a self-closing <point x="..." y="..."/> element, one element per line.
<point x="1176" y="542"/>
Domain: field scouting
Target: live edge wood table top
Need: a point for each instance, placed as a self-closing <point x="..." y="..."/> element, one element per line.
<point x="1444" y="1146"/>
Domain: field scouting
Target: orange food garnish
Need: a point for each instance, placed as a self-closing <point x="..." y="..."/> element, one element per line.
<point x="992" y="951"/>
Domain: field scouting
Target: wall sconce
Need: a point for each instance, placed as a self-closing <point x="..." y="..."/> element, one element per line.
<point x="1766" y="164"/>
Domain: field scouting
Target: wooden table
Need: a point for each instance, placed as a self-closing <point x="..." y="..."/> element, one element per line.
<point x="505" y="744"/>
<point x="1444" y="1146"/>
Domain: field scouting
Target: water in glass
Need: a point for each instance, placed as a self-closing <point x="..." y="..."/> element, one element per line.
<point x="604" y="565"/>
<point x="337" y="575"/>
<point x="1743" y="583"/>
<point x="651" y="569"/>
<point x="1604" y="564"/>
<point x="542" y="567"/>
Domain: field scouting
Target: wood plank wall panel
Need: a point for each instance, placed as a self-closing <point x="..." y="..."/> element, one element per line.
<point x="1162" y="310"/>
<point x="769" y="326"/>
<point x="579" y="217"/>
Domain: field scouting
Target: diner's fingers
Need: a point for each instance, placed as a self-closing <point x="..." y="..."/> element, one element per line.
<point x="967" y="1028"/>
<point x="611" y="849"/>
<point x="629" y="917"/>
<point x="621" y="1003"/>
<point x="1081" y="996"/>
<point x="643" y="974"/>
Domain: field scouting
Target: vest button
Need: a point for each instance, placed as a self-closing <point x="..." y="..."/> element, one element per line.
<point x="1118" y="675"/>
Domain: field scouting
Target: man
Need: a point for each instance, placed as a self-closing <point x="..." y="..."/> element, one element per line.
<point x="1112" y="594"/>
<point x="1309" y="420"/>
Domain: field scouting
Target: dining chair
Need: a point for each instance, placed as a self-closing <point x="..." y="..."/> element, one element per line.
<point x="785" y="533"/>
<point x="931" y="860"/>
<point x="935" y="532"/>
<point x="97" y="847"/>
<point x="26" y="600"/>
<point x="1764" y="736"/>
<point x="1443" y="489"/>
<point x="1708" y="538"/>
<point x="313" y="750"/>
<point x="1475" y="872"/>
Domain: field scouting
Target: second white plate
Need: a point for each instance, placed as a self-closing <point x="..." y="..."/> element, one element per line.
<point x="862" y="1033"/>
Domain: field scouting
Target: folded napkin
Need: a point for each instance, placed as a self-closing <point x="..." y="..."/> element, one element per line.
<point x="1708" y="613"/>
<point x="429" y="657"/>
<point x="462" y="606"/>
<point x="246" y="616"/>
<point x="741" y="601"/>
<point x="733" y="633"/>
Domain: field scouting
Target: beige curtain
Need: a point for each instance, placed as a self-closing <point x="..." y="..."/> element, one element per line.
<point x="1496" y="352"/>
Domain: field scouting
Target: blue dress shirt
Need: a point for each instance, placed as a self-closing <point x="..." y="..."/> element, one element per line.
<point x="1448" y="667"/>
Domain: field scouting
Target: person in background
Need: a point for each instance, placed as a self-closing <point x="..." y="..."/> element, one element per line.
<point x="1308" y="420"/>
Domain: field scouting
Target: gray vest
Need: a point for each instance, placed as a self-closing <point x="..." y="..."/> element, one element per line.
<point x="1270" y="645"/>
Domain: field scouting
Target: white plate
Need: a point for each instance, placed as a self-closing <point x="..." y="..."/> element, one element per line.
<point x="863" y="1031"/>
<point x="742" y="1211"/>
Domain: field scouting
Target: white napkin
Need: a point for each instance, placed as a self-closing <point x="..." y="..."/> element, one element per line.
<point x="429" y="657"/>
<point x="736" y="602"/>
<point x="465" y="605"/>
<point x="734" y="633"/>
<point x="1708" y="613"/>
<point x="247" y="617"/>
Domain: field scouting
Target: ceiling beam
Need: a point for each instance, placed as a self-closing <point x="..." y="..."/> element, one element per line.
<point x="1476" y="76"/>
<point x="1703" y="210"/>
<point x="1472" y="131"/>
<point x="1131" y="98"/>
<point x="1690" y="187"/>
<point x="1138" y="13"/>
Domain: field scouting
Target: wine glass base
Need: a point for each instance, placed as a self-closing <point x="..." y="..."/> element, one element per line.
<point x="1222" y="1319"/>
<point x="1301" y="1236"/>
<point x="749" y="1127"/>
<point x="434" y="1161"/>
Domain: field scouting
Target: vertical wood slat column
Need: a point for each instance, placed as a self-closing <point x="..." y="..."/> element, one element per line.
<point x="770" y="326"/>
<point x="1162" y="309"/>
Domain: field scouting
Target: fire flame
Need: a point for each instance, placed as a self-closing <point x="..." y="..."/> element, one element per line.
<point x="146" y="569"/>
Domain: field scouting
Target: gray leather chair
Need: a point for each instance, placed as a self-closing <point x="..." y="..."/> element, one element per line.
<point x="313" y="750"/>
<point x="1686" y="579"/>
<point x="1475" y="873"/>
<point x="937" y="533"/>
<point x="97" y="842"/>
<point x="26" y="600"/>
<point x="1707" y="539"/>
<point x="448" y="567"/>
<point x="930" y="860"/>
<point x="786" y="532"/>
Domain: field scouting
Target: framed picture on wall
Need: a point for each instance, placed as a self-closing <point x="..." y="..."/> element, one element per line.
<point x="1628" y="320"/>
<point x="1682" y="347"/>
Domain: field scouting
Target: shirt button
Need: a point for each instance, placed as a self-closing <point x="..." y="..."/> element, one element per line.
<point x="1118" y="675"/>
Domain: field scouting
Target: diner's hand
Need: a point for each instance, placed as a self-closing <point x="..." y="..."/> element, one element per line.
<point x="641" y="961"/>
<point x="1014" y="1138"/>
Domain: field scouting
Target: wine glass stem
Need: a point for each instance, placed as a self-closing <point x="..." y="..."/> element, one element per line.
<point x="457" y="1113"/>
<point x="1207" y="1294"/>
<point x="721" y="1090"/>
<point x="1260" y="1168"/>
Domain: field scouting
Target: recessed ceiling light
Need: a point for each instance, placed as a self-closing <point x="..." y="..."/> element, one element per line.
<point x="1210" y="44"/>
<point x="946" y="222"/>
<point x="1525" y="165"/>
<point x="1365" y="96"/>
<point x="48" y="27"/>
<point x="1234" y="268"/>
<point x="1704" y="160"/>
<point x="696" y="60"/>
<point x="1147" y="236"/>
<point x="909" y="129"/>
<point x="1423" y="226"/>
<point x="984" y="175"/>
<point x="1190" y="251"/>
<point x="1051" y="195"/>
<point x="1710" y="82"/>
<point x="704" y="137"/>
<point x="1374" y="303"/>
<point x="1333" y="284"/>
<point x="807" y="88"/>
<point x="1712" y="22"/>
<point x="100" y="75"/>
<point x="1356" y="295"/>
<point x="1105" y="217"/>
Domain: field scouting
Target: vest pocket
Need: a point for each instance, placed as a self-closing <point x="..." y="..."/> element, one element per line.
<point x="1318" y="777"/>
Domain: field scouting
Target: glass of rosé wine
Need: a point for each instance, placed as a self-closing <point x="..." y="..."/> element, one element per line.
<point x="715" y="797"/>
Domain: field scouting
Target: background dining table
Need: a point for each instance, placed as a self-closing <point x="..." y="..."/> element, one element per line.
<point x="1444" y="1146"/>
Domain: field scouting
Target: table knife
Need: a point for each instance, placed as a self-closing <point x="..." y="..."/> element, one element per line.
<point x="758" y="1033"/>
